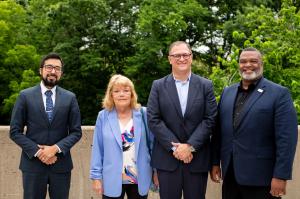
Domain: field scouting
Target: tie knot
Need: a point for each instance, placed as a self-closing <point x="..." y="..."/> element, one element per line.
<point x="48" y="93"/>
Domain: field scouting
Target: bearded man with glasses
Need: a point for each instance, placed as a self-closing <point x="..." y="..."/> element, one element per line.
<point x="52" y="119"/>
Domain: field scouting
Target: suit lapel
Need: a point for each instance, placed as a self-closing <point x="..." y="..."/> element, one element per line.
<point x="259" y="90"/>
<point x="172" y="91"/>
<point x="114" y="125"/>
<point x="137" y="126"/>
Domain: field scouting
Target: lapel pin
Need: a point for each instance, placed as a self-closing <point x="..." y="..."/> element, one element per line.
<point x="260" y="90"/>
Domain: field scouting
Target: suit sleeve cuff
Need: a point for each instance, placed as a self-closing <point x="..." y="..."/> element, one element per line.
<point x="173" y="149"/>
<point x="36" y="154"/>
<point x="59" y="151"/>
<point x="192" y="149"/>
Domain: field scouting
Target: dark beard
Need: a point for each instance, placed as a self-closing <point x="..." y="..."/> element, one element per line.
<point x="48" y="83"/>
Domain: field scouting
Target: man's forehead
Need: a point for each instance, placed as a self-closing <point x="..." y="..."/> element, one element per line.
<point x="56" y="61"/>
<point x="180" y="47"/>
<point x="250" y="54"/>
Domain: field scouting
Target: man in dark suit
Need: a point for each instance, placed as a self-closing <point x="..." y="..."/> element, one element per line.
<point x="52" y="119"/>
<point x="256" y="134"/>
<point x="181" y="114"/>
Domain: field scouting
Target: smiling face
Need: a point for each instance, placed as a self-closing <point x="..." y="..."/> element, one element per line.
<point x="180" y="57"/>
<point x="51" y="72"/>
<point x="120" y="92"/>
<point x="250" y="65"/>
<point x="121" y="96"/>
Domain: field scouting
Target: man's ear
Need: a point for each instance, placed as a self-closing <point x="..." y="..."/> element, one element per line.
<point x="169" y="60"/>
<point x="40" y="71"/>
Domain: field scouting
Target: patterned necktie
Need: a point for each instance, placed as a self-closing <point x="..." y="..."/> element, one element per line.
<point x="49" y="105"/>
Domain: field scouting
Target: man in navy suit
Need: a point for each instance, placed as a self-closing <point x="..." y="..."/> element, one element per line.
<point x="52" y="119"/>
<point x="181" y="114"/>
<point x="256" y="134"/>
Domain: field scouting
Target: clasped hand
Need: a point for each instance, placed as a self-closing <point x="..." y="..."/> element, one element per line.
<point x="183" y="152"/>
<point x="46" y="154"/>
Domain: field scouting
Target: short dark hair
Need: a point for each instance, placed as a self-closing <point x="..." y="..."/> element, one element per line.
<point x="51" y="56"/>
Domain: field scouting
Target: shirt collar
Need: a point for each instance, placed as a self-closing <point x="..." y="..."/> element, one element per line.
<point x="44" y="88"/>
<point x="183" y="81"/>
<point x="251" y="86"/>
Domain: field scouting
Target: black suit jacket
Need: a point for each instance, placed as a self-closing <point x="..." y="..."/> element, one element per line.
<point x="168" y="125"/>
<point x="64" y="130"/>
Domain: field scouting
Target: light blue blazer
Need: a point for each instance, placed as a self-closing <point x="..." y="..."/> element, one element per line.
<point x="107" y="153"/>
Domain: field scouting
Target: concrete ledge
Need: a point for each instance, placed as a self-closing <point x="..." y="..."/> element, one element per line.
<point x="11" y="181"/>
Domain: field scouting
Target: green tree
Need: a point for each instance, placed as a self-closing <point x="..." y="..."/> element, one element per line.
<point x="15" y="53"/>
<point x="94" y="37"/>
<point x="97" y="38"/>
<point x="29" y="78"/>
<point x="277" y="36"/>
<point x="159" y="23"/>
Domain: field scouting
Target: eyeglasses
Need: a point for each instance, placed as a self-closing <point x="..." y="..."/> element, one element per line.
<point x="184" y="56"/>
<point x="50" y="67"/>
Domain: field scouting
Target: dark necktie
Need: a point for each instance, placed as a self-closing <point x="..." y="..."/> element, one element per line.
<point x="49" y="105"/>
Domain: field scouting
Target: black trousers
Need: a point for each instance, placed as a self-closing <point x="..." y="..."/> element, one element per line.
<point x="131" y="191"/>
<point x="232" y="190"/>
<point x="173" y="183"/>
<point x="35" y="185"/>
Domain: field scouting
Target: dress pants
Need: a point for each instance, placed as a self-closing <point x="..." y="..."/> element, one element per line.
<point x="232" y="190"/>
<point x="35" y="185"/>
<point x="173" y="183"/>
<point x="131" y="191"/>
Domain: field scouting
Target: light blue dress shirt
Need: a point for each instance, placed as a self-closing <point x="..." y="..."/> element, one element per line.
<point x="182" y="90"/>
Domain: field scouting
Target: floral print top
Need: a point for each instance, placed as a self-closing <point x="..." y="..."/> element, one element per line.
<point x="129" y="173"/>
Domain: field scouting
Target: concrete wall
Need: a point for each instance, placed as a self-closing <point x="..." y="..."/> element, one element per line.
<point x="11" y="181"/>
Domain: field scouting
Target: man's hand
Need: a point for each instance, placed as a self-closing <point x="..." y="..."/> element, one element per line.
<point x="215" y="174"/>
<point x="47" y="152"/>
<point x="188" y="159"/>
<point x="97" y="187"/>
<point x="183" y="152"/>
<point x="51" y="160"/>
<point x="155" y="179"/>
<point x="278" y="187"/>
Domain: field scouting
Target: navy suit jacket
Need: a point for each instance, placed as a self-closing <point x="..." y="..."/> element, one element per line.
<point x="263" y="144"/>
<point x="166" y="122"/>
<point x="64" y="130"/>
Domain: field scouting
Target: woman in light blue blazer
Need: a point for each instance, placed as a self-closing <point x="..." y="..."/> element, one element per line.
<point x="120" y="161"/>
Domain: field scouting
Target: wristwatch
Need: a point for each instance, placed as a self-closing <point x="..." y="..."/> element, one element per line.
<point x="192" y="149"/>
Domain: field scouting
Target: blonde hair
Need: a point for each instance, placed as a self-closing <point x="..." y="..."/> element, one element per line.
<point x="119" y="80"/>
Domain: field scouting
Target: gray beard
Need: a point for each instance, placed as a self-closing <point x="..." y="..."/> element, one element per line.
<point x="253" y="76"/>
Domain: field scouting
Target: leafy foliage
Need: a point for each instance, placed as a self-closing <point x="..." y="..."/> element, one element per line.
<point x="97" y="38"/>
<point x="29" y="79"/>
<point x="277" y="35"/>
<point x="160" y="23"/>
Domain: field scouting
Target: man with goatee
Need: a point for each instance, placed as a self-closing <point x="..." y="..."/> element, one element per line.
<point x="52" y="119"/>
<point x="256" y="134"/>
